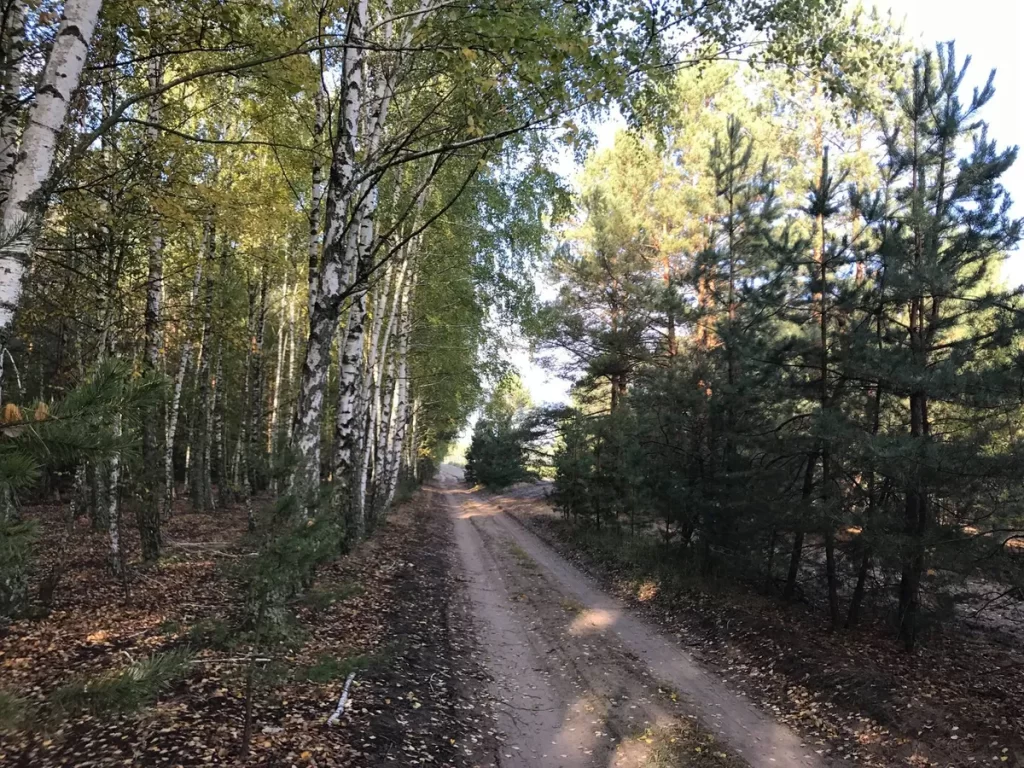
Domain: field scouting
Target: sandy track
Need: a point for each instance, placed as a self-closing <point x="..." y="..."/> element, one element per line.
<point x="577" y="679"/>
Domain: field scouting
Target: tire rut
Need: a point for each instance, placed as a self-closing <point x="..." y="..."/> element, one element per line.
<point x="577" y="680"/>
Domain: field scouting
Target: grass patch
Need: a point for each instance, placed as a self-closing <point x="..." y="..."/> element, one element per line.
<point x="521" y="556"/>
<point x="169" y="627"/>
<point x="645" y="558"/>
<point x="572" y="606"/>
<point x="320" y="599"/>
<point x="14" y="712"/>
<point x="329" y="668"/>
<point x="216" y="634"/>
<point x="124" y="691"/>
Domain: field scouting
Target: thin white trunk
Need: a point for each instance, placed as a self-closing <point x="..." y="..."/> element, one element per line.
<point x="414" y="436"/>
<point x="27" y="200"/>
<point x="400" y="412"/>
<point x="347" y="414"/>
<point x="384" y="348"/>
<point x="113" y="517"/>
<point x="291" y="364"/>
<point x="179" y="376"/>
<point x="341" y="264"/>
<point x="275" y="402"/>
<point x="370" y="390"/>
<point x="316" y="199"/>
<point x="201" y="491"/>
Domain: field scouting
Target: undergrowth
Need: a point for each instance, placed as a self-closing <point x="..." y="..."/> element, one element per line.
<point x="120" y="692"/>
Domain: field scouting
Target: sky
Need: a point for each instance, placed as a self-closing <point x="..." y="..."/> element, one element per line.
<point x="992" y="33"/>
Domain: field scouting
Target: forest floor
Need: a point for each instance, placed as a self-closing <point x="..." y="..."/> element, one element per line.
<point x="478" y="639"/>
<point x="855" y="696"/>
<point x="385" y="612"/>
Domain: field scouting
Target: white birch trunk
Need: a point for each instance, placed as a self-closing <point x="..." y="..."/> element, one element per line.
<point x="154" y="283"/>
<point x="291" y="366"/>
<point x="401" y="409"/>
<point x="113" y="516"/>
<point x="179" y="376"/>
<point x="275" y="401"/>
<point x="201" y="491"/>
<point x="384" y="348"/>
<point x="371" y="381"/>
<point x="26" y="202"/>
<point x="337" y="270"/>
<point x="414" y="449"/>
<point x="347" y="413"/>
<point x="316" y="199"/>
<point x="13" y="48"/>
<point x="347" y="209"/>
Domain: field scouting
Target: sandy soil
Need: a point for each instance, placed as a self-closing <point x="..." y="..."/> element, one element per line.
<point x="577" y="680"/>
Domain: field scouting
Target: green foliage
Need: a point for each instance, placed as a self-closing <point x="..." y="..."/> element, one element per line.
<point x="498" y="454"/>
<point x="16" y="542"/>
<point x="319" y="599"/>
<point x="15" y="713"/>
<point x="77" y="428"/>
<point x="121" y="692"/>
<point x="290" y="551"/>
<point x="218" y="634"/>
<point x="327" y="668"/>
<point x="817" y="350"/>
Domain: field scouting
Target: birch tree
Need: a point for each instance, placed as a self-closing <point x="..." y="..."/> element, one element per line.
<point x="27" y="197"/>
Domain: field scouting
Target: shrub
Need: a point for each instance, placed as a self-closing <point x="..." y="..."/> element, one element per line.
<point x="124" y="691"/>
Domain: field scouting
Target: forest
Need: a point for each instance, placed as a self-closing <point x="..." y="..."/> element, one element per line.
<point x="262" y="263"/>
<point x="785" y="321"/>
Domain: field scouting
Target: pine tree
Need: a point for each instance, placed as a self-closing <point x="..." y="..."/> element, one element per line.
<point x="950" y="226"/>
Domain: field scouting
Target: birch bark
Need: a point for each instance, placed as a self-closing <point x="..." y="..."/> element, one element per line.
<point x="179" y="376"/>
<point x="13" y="50"/>
<point x="201" y="491"/>
<point x="316" y="198"/>
<point x="335" y="274"/>
<point x="275" y="402"/>
<point x="26" y="202"/>
<point x="401" y="410"/>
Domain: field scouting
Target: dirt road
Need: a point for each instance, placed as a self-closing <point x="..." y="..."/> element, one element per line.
<point x="577" y="680"/>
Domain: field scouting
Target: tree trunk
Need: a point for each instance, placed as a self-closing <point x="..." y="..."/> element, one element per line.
<point x="348" y="417"/>
<point x="338" y="269"/>
<point x="220" y="459"/>
<point x="202" y="500"/>
<point x="853" y="616"/>
<point x="113" y="487"/>
<point x="149" y="509"/>
<point x="27" y="200"/>
<point x="400" y="412"/>
<point x="286" y="424"/>
<point x="798" y="537"/>
<point x="830" y="572"/>
<point x="275" y="400"/>
<point x="916" y="523"/>
<point x="316" y="198"/>
<point x="254" y="461"/>
<point x="179" y="376"/>
<point x="10" y="102"/>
